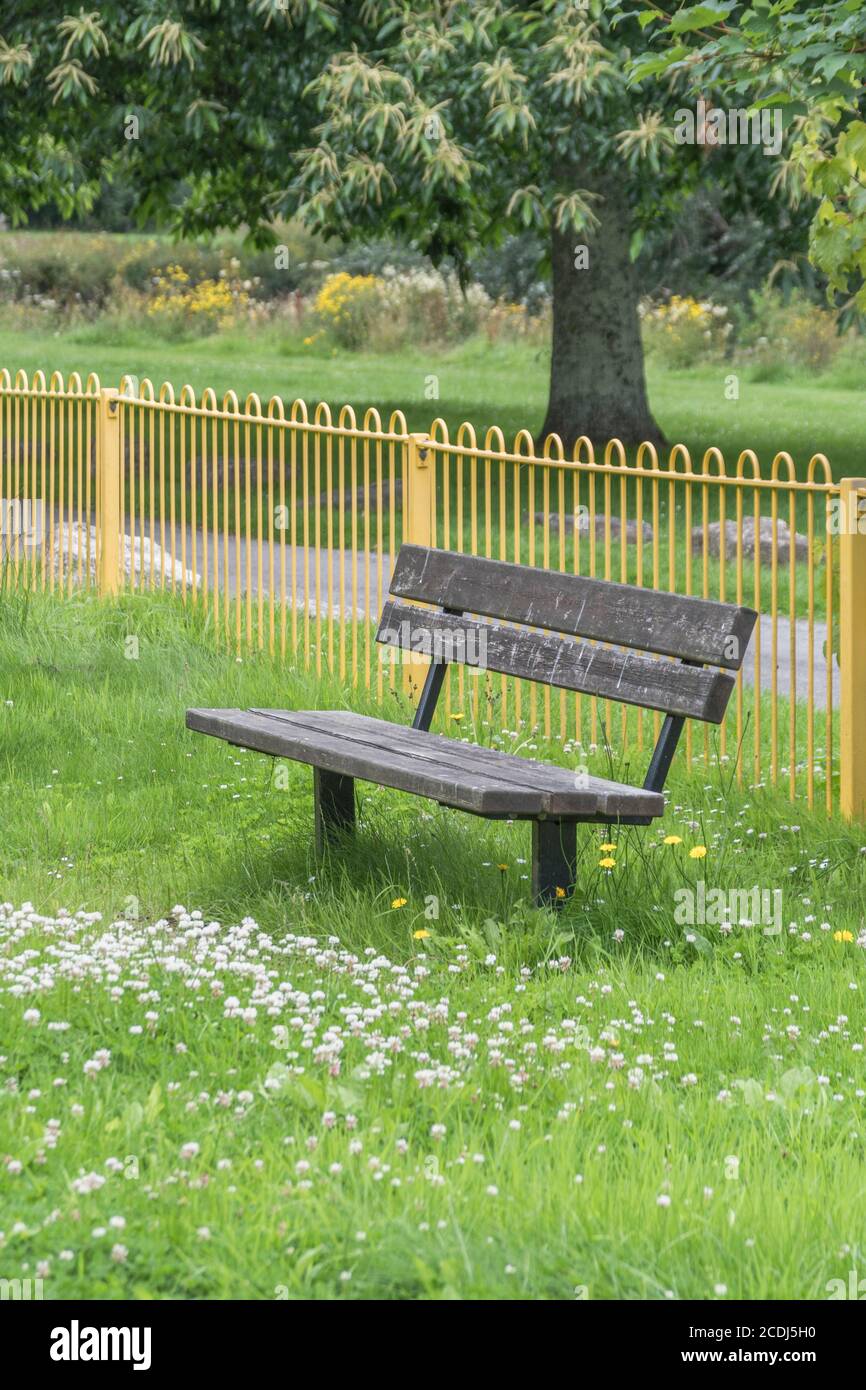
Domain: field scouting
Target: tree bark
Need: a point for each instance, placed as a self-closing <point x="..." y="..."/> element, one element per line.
<point x="597" y="381"/>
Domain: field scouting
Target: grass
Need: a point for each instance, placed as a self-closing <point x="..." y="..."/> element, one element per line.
<point x="493" y="1110"/>
<point x="476" y="381"/>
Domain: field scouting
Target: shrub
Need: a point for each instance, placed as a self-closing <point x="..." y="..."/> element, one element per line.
<point x="396" y="309"/>
<point x="346" y="306"/>
<point x="787" y="330"/>
<point x="682" y="331"/>
<point x="510" y="272"/>
<point x="69" y="272"/>
<point x="180" y="307"/>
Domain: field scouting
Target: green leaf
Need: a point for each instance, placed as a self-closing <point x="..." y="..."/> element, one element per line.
<point x="854" y="142"/>
<point x="154" y="1103"/>
<point x="699" y="16"/>
<point x="700" y="943"/>
<point x="753" y="1091"/>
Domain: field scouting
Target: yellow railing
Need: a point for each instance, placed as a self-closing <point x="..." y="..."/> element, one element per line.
<point x="282" y="526"/>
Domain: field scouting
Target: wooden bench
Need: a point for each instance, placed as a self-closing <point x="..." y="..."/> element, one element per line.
<point x="603" y="622"/>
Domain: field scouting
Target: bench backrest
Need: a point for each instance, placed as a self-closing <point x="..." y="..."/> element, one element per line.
<point x="607" y="629"/>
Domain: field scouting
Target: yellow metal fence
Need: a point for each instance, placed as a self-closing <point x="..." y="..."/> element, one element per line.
<point x="283" y="526"/>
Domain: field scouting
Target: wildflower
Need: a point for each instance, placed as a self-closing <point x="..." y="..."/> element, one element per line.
<point x="189" y="1150"/>
<point x="502" y="867"/>
<point x="607" y="863"/>
<point x="560" y="892"/>
<point x="607" y="849"/>
<point x="457" y="717"/>
<point x="420" y="935"/>
<point x="843" y="936"/>
<point x="672" y="840"/>
<point x="663" y="1200"/>
<point x="399" y="902"/>
<point x="119" y="1254"/>
<point x="698" y="852"/>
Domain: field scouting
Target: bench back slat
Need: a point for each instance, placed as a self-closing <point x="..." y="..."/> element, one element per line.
<point x="563" y="662"/>
<point x="693" y="629"/>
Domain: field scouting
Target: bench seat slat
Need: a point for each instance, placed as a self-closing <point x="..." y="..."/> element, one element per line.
<point x="507" y="768"/>
<point x="693" y="629"/>
<point x="430" y="765"/>
<point x="617" y="674"/>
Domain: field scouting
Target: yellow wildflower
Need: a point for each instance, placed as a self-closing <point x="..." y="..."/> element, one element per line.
<point x="399" y="902"/>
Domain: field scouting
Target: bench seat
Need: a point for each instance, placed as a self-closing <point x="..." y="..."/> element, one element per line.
<point x="484" y="781"/>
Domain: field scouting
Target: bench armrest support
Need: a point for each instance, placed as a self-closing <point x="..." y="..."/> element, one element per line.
<point x="429" y="697"/>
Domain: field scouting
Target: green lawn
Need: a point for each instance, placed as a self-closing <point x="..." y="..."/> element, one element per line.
<point x="310" y="1100"/>
<point x="501" y="385"/>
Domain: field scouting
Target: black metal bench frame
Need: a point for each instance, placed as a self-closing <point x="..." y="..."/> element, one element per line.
<point x="616" y="625"/>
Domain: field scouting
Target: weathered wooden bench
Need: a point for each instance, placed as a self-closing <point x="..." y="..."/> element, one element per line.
<point x="608" y="629"/>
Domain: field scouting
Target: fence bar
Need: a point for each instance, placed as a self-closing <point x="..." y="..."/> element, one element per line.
<point x="108" y="482"/>
<point x="852" y="648"/>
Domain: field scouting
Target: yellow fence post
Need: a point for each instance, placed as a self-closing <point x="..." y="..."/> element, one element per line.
<point x="108" y="484"/>
<point x="852" y="648"/>
<point x="418" y="530"/>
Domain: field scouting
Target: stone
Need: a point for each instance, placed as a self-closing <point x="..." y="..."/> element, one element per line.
<point x="765" y="540"/>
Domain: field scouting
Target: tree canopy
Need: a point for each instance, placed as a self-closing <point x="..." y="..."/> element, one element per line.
<point x="808" y="61"/>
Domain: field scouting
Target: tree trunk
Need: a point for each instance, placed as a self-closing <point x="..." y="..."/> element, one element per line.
<point x="597" y="382"/>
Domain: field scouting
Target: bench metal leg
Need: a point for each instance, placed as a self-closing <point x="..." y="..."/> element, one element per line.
<point x="554" y="861"/>
<point x="334" y="797"/>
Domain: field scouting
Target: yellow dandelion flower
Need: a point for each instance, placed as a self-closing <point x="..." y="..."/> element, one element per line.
<point x="607" y="849"/>
<point x="457" y="717"/>
<point x="560" y="892"/>
<point x="420" y="935"/>
<point x="699" y="852"/>
<point x="503" y="867"/>
<point x="399" y="902"/>
<point x="672" y="840"/>
<point x="607" y="863"/>
<point x="843" y="936"/>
